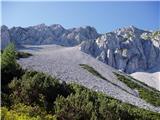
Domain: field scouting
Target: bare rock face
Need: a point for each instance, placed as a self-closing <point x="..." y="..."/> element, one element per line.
<point x="55" y="34"/>
<point x="5" y="37"/>
<point x="126" y="49"/>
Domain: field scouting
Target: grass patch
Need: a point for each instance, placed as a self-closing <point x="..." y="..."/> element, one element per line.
<point x="92" y="70"/>
<point x="149" y="96"/>
<point x="97" y="74"/>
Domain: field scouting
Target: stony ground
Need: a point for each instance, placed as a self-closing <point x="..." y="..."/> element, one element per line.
<point x="63" y="62"/>
<point x="151" y="79"/>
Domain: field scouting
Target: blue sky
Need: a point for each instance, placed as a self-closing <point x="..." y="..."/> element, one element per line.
<point x="104" y="16"/>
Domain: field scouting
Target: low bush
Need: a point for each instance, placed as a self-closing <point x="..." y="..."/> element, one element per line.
<point x="84" y="103"/>
<point x="37" y="88"/>
<point x="24" y="112"/>
<point x="20" y="54"/>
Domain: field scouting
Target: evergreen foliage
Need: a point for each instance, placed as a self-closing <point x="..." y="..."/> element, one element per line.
<point x="9" y="66"/>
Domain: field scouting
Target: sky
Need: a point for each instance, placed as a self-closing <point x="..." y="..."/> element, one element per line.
<point x="104" y="16"/>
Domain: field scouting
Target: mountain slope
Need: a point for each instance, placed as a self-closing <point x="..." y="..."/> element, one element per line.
<point x="64" y="63"/>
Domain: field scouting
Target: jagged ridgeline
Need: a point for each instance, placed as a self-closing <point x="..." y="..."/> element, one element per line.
<point x="128" y="49"/>
<point x="42" y="34"/>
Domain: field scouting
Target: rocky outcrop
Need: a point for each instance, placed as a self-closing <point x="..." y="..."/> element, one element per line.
<point x="128" y="49"/>
<point x="54" y="34"/>
<point x="5" y="36"/>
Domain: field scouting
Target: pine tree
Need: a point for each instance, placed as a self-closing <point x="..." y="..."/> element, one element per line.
<point x="9" y="57"/>
<point x="9" y="67"/>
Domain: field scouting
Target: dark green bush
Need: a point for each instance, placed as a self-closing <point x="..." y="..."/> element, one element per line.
<point x="37" y="88"/>
<point x="9" y="66"/>
<point x="77" y="106"/>
<point x="71" y="102"/>
<point x="20" y="54"/>
<point x="84" y="103"/>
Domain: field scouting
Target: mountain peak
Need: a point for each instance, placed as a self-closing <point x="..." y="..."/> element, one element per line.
<point x="56" y="26"/>
<point x="133" y="27"/>
<point x="4" y="27"/>
<point x="130" y="28"/>
<point x="39" y="26"/>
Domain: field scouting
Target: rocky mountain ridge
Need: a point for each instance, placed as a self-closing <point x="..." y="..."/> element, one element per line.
<point x="42" y="34"/>
<point x="127" y="49"/>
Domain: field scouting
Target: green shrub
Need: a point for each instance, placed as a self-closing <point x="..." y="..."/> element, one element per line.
<point x="77" y="106"/>
<point x="13" y="115"/>
<point x="8" y="56"/>
<point x="22" y="55"/>
<point x="23" y="112"/>
<point x="70" y="102"/>
<point x="5" y="99"/>
<point x="37" y="88"/>
<point x="84" y="103"/>
<point x="9" y="66"/>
